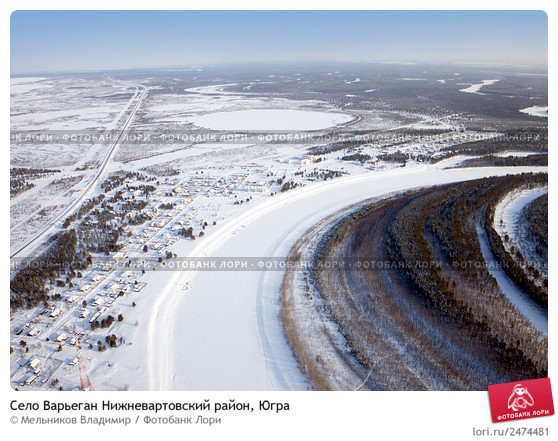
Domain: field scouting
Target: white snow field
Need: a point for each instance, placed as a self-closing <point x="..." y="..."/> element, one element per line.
<point x="271" y="119"/>
<point x="224" y="333"/>
<point x="536" y="111"/>
<point x="27" y="84"/>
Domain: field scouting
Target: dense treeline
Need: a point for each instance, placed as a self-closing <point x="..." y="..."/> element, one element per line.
<point x="400" y="158"/>
<point x="289" y="185"/>
<point x="356" y="157"/>
<point x="19" y="185"/>
<point x="83" y="210"/>
<point x="434" y="296"/>
<point x="534" y="139"/>
<point x="321" y="174"/>
<point x="28" y="287"/>
<point x="96" y="228"/>
<point x="537" y="160"/>
<point x="20" y="177"/>
<point x="445" y="220"/>
<point x="99" y="231"/>
<point x="37" y="172"/>
<point x="188" y="233"/>
<point x="117" y="179"/>
<point x="408" y="135"/>
<point x="334" y="147"/>
<point x="537" y="223"/>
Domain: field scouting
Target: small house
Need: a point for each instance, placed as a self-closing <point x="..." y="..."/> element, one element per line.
<point x="62" y="337"/>
<point x="34" y="363"/>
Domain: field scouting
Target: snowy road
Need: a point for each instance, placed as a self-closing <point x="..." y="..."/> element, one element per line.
<point x="41" y="235"/>
<point x="225" y="333"/>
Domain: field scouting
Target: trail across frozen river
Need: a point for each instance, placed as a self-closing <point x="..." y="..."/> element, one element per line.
<point x="224" y="333"/>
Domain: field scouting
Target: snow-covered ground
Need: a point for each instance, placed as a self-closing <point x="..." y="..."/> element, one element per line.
<point x="65" y="103"/>
<point x="536" y="111"/>
<point x="474" y="88"/>
<point x="455" y="161"/>
<point x="191" y="329"/>
<point x="60" y="202"/>
<point x="27" y="84"/>
<point x="211" y="329"/>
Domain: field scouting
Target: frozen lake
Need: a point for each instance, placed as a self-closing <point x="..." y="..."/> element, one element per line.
<point x="474" y="88"/>
<point x="271" y="119"/>
<point x="536" y="111"/>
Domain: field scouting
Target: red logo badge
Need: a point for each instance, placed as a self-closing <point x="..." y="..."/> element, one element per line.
<point x="524" y="399"/>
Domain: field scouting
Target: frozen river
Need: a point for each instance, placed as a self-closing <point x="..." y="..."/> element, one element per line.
<point x="225" y="332"/>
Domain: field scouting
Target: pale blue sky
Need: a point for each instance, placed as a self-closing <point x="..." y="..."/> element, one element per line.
<point x="44" y="41"/>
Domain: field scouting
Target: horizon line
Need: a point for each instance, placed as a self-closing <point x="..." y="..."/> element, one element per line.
<point x="284" y="62"/>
